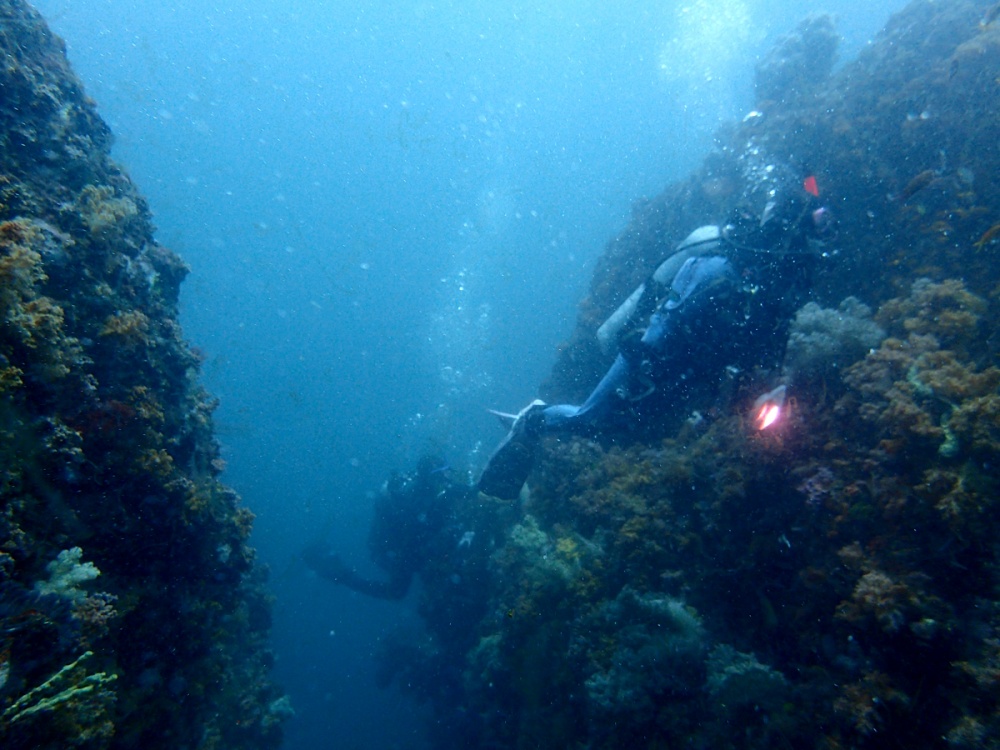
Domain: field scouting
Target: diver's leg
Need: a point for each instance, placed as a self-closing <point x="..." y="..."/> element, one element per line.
<point x="511" y="462"/>
<point x="565" y="417"/>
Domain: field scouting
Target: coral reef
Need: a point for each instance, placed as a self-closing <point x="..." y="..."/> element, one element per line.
<point x="738" y="681"/>
<point x="913" y="103"/>
<point x="824" y="586"/>
<point x="822" y="341"/>
<point x="799" y="63"/>
<point x="657" y="655"/>
<point x="70" y="708"/>
<point x="830" y="582"/>
<point x="108" y="462"/>
<point x="66" y="573"/>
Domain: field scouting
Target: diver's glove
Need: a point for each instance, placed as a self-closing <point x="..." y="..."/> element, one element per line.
<point x="324" y="562"/>
<point x="511" y="462"/>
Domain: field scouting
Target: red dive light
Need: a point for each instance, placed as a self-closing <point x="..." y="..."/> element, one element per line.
<point x="768" y="408"/>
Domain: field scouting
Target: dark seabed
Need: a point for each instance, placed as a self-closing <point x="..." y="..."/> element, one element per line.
<point x="398" y="216"/>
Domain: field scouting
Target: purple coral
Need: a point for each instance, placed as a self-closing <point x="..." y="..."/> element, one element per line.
<point x="817" y="487"/>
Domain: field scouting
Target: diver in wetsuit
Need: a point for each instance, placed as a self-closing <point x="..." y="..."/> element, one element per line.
<point x="723" y="299"/>
<point x="430" y="524"/>
<point x="414" y="525"/>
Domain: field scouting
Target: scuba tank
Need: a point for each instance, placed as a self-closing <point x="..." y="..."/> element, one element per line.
<point x="702" y="241"/>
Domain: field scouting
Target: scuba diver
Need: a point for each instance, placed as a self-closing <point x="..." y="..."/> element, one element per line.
<point x="430" y="525"/>
<point x="414" y="526"/>
<point x="722" y="301"/>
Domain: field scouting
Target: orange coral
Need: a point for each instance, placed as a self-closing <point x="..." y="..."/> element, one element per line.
<point x="921" y="394"/>
<point x="28" y="317"/>
<point x="243" y="519"/>
<point x="976" y="423"/>
<point x="965" y="498"/>
<point x="878" y="596"/>
<point x="864" y="702"/>
<point x="10" y="378"/>
<point x="155" y="461"/>
<point x="146" y="405"/>
<point x="102" y="211"/>
<point x="131" y="328"/>
<point x="947" y="310"/>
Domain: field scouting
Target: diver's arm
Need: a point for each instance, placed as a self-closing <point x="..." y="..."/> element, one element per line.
<point x="329" y="566"/>
<point x="392" y="589"/>
<point x="697" y="289"/>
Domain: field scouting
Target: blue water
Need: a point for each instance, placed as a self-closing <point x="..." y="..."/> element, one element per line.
<point x="391" y="211"/>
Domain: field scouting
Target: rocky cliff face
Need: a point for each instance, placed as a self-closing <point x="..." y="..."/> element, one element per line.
<point x="832" y="581"/>
<point x="131" y="610"/>
<point x="902" y="141"/>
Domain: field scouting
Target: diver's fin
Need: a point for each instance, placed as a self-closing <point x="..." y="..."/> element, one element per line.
<point x="509" y="466"/>
<point x="507" y="420"/>
<point x="511" y="462"/>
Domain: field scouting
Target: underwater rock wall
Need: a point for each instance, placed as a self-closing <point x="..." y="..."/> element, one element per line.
<point x="832" y="582"/>
<point x="902" y="141"/>
<point x="132" y="613"/>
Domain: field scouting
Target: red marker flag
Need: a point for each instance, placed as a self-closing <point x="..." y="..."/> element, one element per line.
<point x="809" y="183"/>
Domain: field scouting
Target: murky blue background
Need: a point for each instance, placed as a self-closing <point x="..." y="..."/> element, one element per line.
<point x="390" y="211"/>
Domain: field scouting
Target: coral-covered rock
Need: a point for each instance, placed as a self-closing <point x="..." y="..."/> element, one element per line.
<point x="107" y="455"/>
<point x="824" y="341"/>
<point x="800" y="62"/>
<point x="838" y="573"/>
<point x="914" y="104"/>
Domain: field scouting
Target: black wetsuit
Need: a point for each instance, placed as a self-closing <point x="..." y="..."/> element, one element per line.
<point x="711" y="306"/>
<point x="726" y="306"/>
<point x="413" y="520"/>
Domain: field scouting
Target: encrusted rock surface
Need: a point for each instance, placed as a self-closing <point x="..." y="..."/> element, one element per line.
<point x="132" y="613"/>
